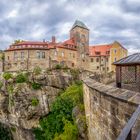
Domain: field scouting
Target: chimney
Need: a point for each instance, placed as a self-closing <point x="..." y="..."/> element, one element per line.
<point x="53" y="39"/>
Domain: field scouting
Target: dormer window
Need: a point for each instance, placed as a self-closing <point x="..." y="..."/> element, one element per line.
<point x="107" y="52"/>
<point x="97" y="53"/>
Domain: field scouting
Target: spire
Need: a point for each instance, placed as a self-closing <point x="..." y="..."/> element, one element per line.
<point x="79" y="24"/>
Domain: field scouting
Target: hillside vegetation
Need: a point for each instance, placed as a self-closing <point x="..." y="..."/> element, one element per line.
<point x="61" y="123"/>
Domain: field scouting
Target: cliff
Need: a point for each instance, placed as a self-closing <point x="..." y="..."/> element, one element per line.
<point x="26" y="97"/>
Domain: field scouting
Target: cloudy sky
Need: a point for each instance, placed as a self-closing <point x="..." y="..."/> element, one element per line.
<point x="108" y="20"/>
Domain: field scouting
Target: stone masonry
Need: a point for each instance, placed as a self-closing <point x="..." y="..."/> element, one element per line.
<point x="108" y="109"/>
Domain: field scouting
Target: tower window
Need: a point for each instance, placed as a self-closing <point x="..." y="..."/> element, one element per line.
<point x="91" y="59"/>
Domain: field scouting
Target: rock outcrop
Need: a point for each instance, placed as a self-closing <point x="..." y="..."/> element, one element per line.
<point x="21" y="106"/>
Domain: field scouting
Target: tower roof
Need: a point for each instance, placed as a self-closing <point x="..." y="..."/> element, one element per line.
<point x="79" y="24"/>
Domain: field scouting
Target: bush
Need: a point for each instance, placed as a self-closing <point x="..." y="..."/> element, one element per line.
<point x="1" y="84"/>
<point x="7" y="76"/>
<point x="75" y="74"/>
<point x="21" y="78"/>
<point x="61" y="108"/>
<point x="37" y="70"/>
<point x="10" y="89"/>
<point x="34" y="102"/>
<point x="58" y="66"/>
<point x="36" y="86"/>
<point x="70" y="132"/>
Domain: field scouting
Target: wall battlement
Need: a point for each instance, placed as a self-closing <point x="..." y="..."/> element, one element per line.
<point x="108" y="109"/>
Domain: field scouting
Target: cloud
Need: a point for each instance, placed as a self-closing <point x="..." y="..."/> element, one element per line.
<point x="40" y="19"/>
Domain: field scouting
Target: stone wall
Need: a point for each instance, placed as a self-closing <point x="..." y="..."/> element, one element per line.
<point x="108" y="109"/>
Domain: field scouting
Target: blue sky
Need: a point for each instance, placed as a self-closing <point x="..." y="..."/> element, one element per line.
<point x="108" y="20"/>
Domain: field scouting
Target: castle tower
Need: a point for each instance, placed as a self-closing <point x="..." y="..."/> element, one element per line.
<point x="80" y="33"/>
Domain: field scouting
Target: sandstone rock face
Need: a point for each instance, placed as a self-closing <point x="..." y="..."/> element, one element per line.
<point x="17" y="109"/>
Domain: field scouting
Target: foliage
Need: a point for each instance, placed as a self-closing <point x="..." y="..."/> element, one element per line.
<point x="10" y="89"/>
<point x="70" y="132"/>
<point x="1" y="84"/>
<point x="13" y="129"/>
<point x="17" y="41"/>
<point x="7" y="76"/>
<point x="59" y="123"/>
<point x="21" y="78"/>
<point x="2" y="57"/>
<point x="37" y="70"/>
<point x="75" y="73"/>
<point x="34" y="102"/>
<point x="5" y="133"/>
<point x="36" y="86"/>
<point x="58" y="66"/>
<point x="75" y="93"/>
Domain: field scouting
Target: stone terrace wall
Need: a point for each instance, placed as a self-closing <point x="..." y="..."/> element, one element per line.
<point x="108" y="109"/>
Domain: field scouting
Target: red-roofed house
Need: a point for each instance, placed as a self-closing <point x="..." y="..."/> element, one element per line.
<point x="74" y="52"/>
<point x="102" y="56"/>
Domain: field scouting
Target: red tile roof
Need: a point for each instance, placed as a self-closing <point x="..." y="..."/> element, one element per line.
<point x="28" y="45"/>
<point x="69" y="42"/>
<point x="99" y="50"/>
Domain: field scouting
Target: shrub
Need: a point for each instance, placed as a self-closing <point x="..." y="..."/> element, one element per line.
<point x="10" y="89"/>
<point x="70" y="132"/>
<point x="75" y="74"/>
<point x="1" y="84"/>
<point x="21" y="78"/>
<point x="37" y="70"/>
<point x="58" y="66"/>
<point x="36" y="86"/>
<point x="34" y="102"/>
<point x="7" y="76"/>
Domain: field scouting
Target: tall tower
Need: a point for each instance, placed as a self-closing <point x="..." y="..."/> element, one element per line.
<point x="80" y="33"/>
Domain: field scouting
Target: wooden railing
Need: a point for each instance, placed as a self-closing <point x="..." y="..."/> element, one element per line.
<point x="126" y="132"/>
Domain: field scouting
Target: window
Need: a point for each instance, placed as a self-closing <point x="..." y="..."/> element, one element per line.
<point x="82" y="55"/>
<point x="106" y="59"/>
<point x="62" y="54"/>
<point x="15" y="55"/>
<point x="107" y="68"/>
<point x="73" y="55"/>
<point x="22" y="55"/>
<point x="115" y="51"/>
<point x="97" y="53"/>
<point x="43" y="54"/>
<point x="97" y="67"/>
<point x="8" y="57"/>
<point x="107" y="52"/>
<point x="38" y="55"/>
<point x="102" y="59"/>
<point x="55" y="53"/>
<point x="115" y="59"/>
<point x="97" y="59"/>
<point x="91" y="59"/>
<point x="72" y="64"/>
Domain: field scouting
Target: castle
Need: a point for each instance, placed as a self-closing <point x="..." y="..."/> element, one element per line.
<point x="73" y="53"/>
